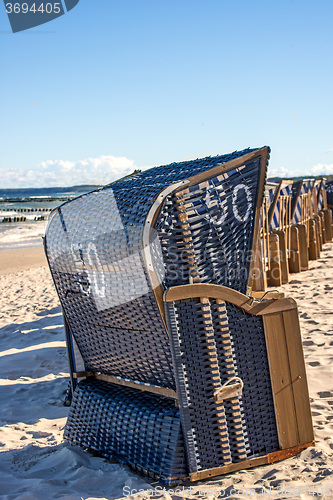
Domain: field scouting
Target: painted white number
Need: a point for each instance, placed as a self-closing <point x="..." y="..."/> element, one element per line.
<point x="99" y="287"/>
<point x="75" y="250"/>
<point x="234" y="202"/>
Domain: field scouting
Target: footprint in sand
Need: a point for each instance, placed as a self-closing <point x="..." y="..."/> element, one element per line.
<point x="325" y="394"/>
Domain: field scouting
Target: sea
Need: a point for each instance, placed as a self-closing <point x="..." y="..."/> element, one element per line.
<point x="24" y="213"/>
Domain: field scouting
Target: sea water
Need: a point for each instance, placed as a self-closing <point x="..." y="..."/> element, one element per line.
<point x="24" y="213"/>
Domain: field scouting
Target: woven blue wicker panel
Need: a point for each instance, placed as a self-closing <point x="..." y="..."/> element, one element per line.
<point x="206" y="357"/>
<point x="220" y="215"/>
<point x="133" y="427"/>
<point x="250" y="353"/>
<point x="329" y="191"/>
<point x="134" y="194"/>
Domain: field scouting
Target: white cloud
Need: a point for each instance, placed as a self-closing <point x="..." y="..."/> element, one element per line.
<point x="322" y="169"/>
<point x="278" y="172"/>
<point x="318" y="169"/>
<point x="58" y="173"/>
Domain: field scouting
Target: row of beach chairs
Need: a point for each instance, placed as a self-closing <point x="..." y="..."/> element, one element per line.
<point x="295" y="223"/>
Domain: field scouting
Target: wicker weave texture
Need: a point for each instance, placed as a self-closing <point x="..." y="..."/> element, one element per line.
<point x="219" y="216"/>
<point x="329" y="191"/>
<point x="136" y="428"/>
<point x="208" y="352"/>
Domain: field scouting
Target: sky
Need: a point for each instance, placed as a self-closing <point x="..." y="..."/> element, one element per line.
<point x="116" y="85"/>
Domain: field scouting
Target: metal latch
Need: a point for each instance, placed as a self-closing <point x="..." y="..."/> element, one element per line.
<point x="232" y="388"/>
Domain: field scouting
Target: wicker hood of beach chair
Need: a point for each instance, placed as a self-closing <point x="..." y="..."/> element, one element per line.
<point x="176" y="370"/>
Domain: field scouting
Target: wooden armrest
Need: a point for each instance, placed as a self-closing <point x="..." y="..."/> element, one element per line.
<point x="249" y="304"/>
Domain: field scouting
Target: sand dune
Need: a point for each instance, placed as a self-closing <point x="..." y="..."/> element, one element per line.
<point x="36" y="464"/>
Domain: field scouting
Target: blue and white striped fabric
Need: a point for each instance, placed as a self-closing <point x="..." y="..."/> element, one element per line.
<point x="285" y="190"/>
<point x="305" y="188"/>
<point x="320" y="197"/>
<point x="270" y="192"/>
<point x="315" y="195"/>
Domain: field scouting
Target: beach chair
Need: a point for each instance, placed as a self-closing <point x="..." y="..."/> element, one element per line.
<point x="301" y="215"/>
<point x="282" y="251"/>
<point x="329" y="212"/>
<point x="176" y="370"/>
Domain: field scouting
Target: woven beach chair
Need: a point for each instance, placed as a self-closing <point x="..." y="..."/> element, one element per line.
<point x="176" y="370"/>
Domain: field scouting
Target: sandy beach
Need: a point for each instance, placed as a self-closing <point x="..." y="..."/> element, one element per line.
<point x="36" y="464"/>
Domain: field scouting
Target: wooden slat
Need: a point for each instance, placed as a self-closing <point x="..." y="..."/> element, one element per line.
<point x="289" y="452"/>
<point x="254" y="462"/>
<point x="328" y="224"/>
<point x="281" y="380"/>
<point x="274" y="277"/>
<point x="298" y="376"/>
<point x="227" y="469"/>
<point x="313" y="243"/>
<point x="283" y="256"/>
<point x="295" y="257"/>
<point x="260" y="190"/>
<point x="180" y="204"/>
<point x="319" y="232"/>
<point x="236" y="163"/>
<point x="162" y="391"/>
<point x="303" y="246"/>
<point x="323" y="228"/>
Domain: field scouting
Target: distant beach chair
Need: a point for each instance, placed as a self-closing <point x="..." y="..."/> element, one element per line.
<point x="281" y="241"/>
<point x="329" y="200"/>
<point x="301" y="215"/>
<point x="176" y="370"/>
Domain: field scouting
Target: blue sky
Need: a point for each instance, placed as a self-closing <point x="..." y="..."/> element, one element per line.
<point x="117" y="85"/>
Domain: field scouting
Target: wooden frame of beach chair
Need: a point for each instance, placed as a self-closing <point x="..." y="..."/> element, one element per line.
<point x="268" y="256"/>
<point x="263" y="257"/>
<point x="280" y="224"/>
<point x="329" y="211"/>
<point x="317" y="200"/>
<point x="120" y="257"/>
<point x="325" y="213"/>
<point x="301" y="216"/>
